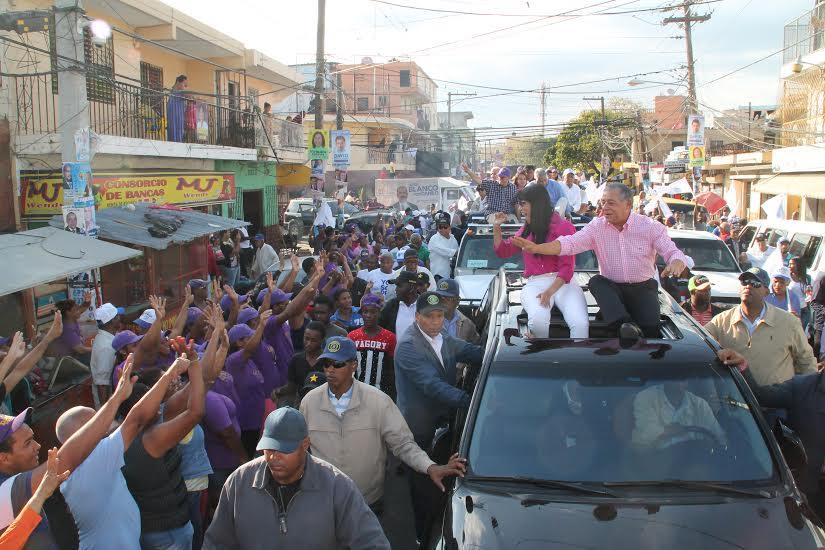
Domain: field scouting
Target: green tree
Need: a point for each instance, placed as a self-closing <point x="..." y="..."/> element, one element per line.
<point x="524" y="151"/>
<point x="581" y="143"/>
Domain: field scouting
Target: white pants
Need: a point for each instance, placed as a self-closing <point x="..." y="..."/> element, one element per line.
<point x="569" y="299"/>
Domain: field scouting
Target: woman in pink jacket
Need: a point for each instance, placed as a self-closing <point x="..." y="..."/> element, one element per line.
<point x="549" y="277"/>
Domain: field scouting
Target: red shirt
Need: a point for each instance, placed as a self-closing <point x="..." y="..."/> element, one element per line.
<point x="375" y="359"/>
<point x="703" y="317"/>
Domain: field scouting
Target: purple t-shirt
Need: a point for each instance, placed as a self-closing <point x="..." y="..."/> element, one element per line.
<point x="225" y="385"/>
<point x="279" y="337"/>
<point x="328" y="269"/>
<point x="67" y="342"/>
<point x="249" y="383"/>
<point x="264" y="357"/>
<point x="220" y="413"/>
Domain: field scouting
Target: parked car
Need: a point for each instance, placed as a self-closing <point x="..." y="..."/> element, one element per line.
<point x="806" y="241"/>
<point x="566" y="447"/>
<point x="300" y="213"/>
<point x="713" y="259"/>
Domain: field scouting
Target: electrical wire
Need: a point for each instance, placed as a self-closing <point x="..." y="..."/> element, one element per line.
<point x="500" y="14"/>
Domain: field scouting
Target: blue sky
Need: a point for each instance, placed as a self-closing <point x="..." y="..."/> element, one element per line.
<point x="557" y="51"/>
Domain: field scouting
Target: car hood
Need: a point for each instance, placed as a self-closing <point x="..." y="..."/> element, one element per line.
<point x="725" y="284"/>
<point x="499" y="521"/>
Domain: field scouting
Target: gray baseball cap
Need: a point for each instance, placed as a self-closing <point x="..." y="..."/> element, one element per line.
<point x="756" y="273"/>
<point x="284" y="430"/>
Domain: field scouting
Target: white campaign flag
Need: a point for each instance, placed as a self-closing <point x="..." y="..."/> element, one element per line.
<point x="775" y="208"/>
<point x="666" y="212"/>
<point x="679" y="186"/>
<point x="593" y="192"/>
<point x="731" y="199"/>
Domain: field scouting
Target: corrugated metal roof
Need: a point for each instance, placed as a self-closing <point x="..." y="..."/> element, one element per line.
<point x="129" y="226"/>
<point x="46" y="254"/>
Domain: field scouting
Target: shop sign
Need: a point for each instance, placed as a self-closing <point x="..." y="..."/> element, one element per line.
<point x="42" y="192"/>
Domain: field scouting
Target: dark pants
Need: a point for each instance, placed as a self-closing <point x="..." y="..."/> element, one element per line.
<point x="427" y="502"/>
<point x="250" y="439"/>
<point x="628" y="303"/>
<point x="193" y="501"/>
<point x="247" y="257"/>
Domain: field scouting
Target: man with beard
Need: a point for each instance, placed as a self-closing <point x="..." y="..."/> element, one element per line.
<point x="699" y="305"/>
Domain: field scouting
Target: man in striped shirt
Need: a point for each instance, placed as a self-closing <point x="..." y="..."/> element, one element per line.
<point x="376" y="348"/>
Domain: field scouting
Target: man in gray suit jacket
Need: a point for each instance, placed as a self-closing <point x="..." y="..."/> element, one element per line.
<point x="425" y="377"/>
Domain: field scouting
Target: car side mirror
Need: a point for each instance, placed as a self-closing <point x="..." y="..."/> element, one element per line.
<point x="791" y="446"/>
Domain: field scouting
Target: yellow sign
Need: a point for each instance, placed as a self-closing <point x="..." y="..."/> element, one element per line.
<point x="697" y="156"/>
<point x="42" y="192"/>
<point x="318" y="144"/>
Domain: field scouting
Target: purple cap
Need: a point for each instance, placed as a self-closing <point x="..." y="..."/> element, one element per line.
<point x="504" y="172"/>
<point x="247" y="314"/>
<point x="10" y="424"/>
<point x="125" y="338"/>
<point x="239" y="331"/>
<point x="278" y="296"/>
<point x="226" y="301"/>
<point x="371" y="300"/>
<point x="193" y="315"/>
<point x="198" y="283"/>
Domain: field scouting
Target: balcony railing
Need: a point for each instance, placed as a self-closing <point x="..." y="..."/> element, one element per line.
<point x="383" y="156"/>
<point x="282" y="134"/>
<point x="805" y="34"/>
<point x="121" y="109"/>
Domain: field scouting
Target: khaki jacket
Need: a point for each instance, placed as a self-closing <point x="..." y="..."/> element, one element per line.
<point x="777" y="349"/>
<point x="357" y="441"/>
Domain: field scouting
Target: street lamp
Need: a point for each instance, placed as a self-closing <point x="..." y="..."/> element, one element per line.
<point x="797" y="66"/>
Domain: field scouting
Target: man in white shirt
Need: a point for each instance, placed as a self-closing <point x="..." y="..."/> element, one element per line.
<point x="411" y="265"/>
<point x="574" y="192"/>
<point x="266" y="258"/>
<point x="323" y="215"/>
<point x="760" y="253"/>
<point x="380" y="278"/>
<point x="443" y="247"/>
<point x="102" y="360"/>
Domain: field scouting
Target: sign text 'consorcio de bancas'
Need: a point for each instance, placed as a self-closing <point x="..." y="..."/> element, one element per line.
<point x="42" y="193"/>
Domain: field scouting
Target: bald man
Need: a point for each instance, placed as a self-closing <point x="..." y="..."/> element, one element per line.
<point x="106" y="514"/>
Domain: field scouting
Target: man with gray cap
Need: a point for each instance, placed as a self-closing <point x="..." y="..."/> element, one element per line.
<point x="425" y="377"/>
<point x="352" y="424"/>
<point x="771" y="340"/>
<point x="260" y="507"/>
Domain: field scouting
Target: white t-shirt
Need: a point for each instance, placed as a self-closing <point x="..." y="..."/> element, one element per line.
<point x="362" y="274"/>
<point x="102" y="360"/>
<point x="404" y="319"/>
<point x="245" y="242"/>
<point x="757" y="257"/>
<point x="106" y="514"/>
<point x="441" y="252"/>
<point x="380" y="283"/>
<point x="574" y="197"/>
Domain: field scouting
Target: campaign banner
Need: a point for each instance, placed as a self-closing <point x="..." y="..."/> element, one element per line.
<point x="341" y="141"/>
<point x="318" y="141"/>
<point x="696" y="131"/>
<point x="77" y="180"/>
<point x="42" y="193"/>
<point x="402" y="194"/>
<point x="697" y="156"/>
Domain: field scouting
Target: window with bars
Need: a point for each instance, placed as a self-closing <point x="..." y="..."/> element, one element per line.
<point x="151" y="79"/>
<point x="404" y="78"/>
<point x="100" y="61"/>
<point x="363" y="104"/>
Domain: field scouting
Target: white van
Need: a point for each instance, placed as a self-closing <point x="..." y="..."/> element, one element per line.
<point x="806" y="241"/>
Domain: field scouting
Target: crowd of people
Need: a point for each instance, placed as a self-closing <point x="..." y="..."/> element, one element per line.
<point x="262" y="414"/>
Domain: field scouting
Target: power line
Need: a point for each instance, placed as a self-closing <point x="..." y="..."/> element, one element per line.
<point x="562" y="14"/>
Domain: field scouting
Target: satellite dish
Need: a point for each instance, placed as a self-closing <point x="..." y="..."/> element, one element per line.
<point x="671" y="91"/>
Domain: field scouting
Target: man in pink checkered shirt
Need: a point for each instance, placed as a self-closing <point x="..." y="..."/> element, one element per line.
<point x="626" y="245"/>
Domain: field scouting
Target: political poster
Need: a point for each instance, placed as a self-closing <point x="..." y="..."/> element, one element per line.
<point x="402" y="194"/>
<point x="202" y="123"/>
<point x="697" y="156"/>
<point x="341" y="147"/>
<point x="318" y="144"/>
<point x="74" y="220"/>
<point x="696" y="131"/>
<point x="77" y="179"/>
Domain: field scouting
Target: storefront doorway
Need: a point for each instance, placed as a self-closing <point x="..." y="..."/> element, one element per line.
<point x="253" y="210"/>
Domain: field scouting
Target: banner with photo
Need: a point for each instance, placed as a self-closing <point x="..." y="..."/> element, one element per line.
<point x="341" y="141"/>
<point x="696" y="131"/>
<point x="697" y="156"/>
<point x="318" y="144"/>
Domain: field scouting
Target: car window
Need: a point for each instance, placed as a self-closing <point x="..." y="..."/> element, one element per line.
<point x="477" y="253"/>
<point x="333" y="205"/>
<point x="350" y="209"/>
<point x="548" y="421"/>
<point x="746" y="236"/>
<point x="708" y="254"/>
<point x="307" y="207"/>
<point x="774" y="235"/>
<point x="293" y="207"/>
<point x="805" y="247"/>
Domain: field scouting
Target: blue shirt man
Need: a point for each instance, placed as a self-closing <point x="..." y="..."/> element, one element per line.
<point x="556" y="191"/>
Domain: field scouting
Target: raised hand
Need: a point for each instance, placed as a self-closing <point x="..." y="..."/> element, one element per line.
<point x="127" y="382"/>
<point x="229" y="291"/>
<point x="270" y="282"/>
<point x="181" y="365"/>
<point x="184" y="348"/>
<point x="158" y="303"/>
<point x="188" y="298"/>
<point x="224" y="337"/>
<point x="54" y="476"/>
<point x="499" y="218"/>
<point x="17" y="349"/>
<point x="265" y="315"/>
<point x="294" y="261"/>
<point x="217" y="293"/>
<point x="56" y="330"/>
<point x="528" y="246"/>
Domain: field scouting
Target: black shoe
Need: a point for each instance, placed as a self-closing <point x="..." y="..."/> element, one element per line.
<point x="629" y="334"/>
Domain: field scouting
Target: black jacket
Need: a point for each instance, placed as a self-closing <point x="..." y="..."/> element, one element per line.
<point x="803" y="396"/>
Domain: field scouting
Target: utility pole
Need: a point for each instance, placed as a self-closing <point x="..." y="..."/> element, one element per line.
<point x="543" y="101"/>
<point x="319" y="66"/>
<point x="687" y="20"/>
<point x="339" y="102"/>
<point x="605" y="158"/>
<point x="71" y="75"/>
<point x="450" y="116"/>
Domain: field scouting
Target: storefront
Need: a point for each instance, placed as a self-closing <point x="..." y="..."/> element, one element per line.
<point x="293" y="181"/>
<point x="256" y="200"/>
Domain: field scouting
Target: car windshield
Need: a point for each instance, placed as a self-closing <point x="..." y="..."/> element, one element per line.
<point x="629" y="424"/>
<point x="708" y="254"/>
<point x="477" y="253"/>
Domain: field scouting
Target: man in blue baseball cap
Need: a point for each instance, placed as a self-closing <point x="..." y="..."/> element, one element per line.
<point x="456" y="323"/>
<point x="331" y="513"/>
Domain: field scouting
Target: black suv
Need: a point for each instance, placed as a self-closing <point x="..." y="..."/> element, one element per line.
<point x="300" y="213"/>
<point x="575" y="443"/>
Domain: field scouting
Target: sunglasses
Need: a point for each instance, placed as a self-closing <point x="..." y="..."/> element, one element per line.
<point x="443" y="226"/>
<point x="336" y="364"/>
<point x="752" y="283"/>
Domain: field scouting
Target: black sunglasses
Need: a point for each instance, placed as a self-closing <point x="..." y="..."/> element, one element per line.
<point x="336" y="364"/>
<point x="752" y="283"/>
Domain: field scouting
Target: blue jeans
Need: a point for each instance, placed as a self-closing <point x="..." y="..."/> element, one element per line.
<point x="174" y="539"/>
<point x="230" y="275"/>
<point x="193" y="500"/>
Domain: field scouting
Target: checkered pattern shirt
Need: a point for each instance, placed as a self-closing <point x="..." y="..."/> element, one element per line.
<point x="501" y="198"/>
<point x="626" y="256"/>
